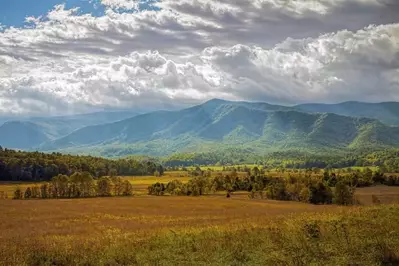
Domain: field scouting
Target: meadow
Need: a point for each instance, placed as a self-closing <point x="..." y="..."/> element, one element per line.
<point x="208" y="230"/>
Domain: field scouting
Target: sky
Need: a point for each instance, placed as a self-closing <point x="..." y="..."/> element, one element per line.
<point x="75" y="56"/>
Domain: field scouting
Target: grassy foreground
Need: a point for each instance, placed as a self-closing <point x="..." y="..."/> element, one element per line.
<point x="81" y="236"/>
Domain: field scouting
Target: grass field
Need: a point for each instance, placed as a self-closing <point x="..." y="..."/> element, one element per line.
<point x="194" y="231"/>
<point x="209" y="230"/>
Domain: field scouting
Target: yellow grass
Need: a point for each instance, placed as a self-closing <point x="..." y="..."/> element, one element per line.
<point x="109" y="231"/>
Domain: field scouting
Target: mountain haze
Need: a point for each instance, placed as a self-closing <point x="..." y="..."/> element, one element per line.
<point x="217" y="124"/>
<point x="27" y="133"/>
<point x="21" y="135"/>
<point x="387" y="112"/>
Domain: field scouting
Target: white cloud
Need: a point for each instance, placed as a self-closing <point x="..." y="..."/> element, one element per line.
<point x="121" y="4"/>
<point x="193" y="50"/>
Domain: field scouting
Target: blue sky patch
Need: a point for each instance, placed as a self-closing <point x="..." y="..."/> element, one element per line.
<point x="14" y="12"/>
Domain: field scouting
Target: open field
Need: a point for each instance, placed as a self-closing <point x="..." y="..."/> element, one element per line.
<point x="209" y="230"/>
<point x="145" y="230"/>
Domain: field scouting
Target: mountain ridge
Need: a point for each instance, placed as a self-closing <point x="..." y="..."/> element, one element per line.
<point x="218" y="123"/>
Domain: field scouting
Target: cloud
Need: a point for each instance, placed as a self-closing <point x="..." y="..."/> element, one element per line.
<point x="121" y="4"/>
<point x="193" y="50"/>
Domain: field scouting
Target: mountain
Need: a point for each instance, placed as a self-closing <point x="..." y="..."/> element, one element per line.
<point x="59" y="126"/>
<point x="218" y="124"/>
<point x="387" y="112"/>
<point x="21" y="135"/>
<point x="28" y="132"/>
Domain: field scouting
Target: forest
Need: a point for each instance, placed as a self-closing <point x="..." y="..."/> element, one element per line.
<point x="37" y="166"/>
<point x="386" y="159"/>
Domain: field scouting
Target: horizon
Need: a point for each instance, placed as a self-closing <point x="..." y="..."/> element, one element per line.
<point x="140" y="112"/>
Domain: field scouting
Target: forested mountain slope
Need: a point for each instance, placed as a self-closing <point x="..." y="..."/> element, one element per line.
<point x="217" y="124"/>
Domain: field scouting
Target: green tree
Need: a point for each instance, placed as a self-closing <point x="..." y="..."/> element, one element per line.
<point x="127" y="188"/>
<point x="157" y="189"/>
<point x="104" y="187"/>
<point x="255" y="171"/>
<point x="174" y="187"/>
<point x="112" y="173"/>
<point x="60" y="185"/>
<point x="343" y="194"/>
<point x="118" y="185"/>
<point x="320" y="194"/>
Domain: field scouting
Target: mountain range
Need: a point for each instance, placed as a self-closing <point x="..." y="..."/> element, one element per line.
<point x="30" y="132"/>
<point x="214" y="125"/>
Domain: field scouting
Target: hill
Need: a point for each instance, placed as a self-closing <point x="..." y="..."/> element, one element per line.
<point x="21" y="135"/>
<point x="387" y="112"/>
<point x="219" y="124"/>
<point x="27" y="133"/>
<point x="59" y="126"/>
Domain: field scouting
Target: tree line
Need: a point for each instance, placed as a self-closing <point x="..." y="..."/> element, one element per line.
<point x="36" y="166"/>
<point x="326" y="188"/>
<point x="78" y="185"/>
<point x="387" y="159"/>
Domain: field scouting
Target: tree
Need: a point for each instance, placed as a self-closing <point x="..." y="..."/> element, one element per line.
<point x="127" y="188"/>
<point x="112" y="173"/>
<point x="198" y="185"/>
<point x="255" y="171"/>
<point x="174" y="187"/>
<point x="60" y="185"/>
<point x="343" y="194"/>
<point x="118" y="185"/>
<point x="276" y="191"/>
<point x="156" y="189"/>
<point x="104" y="187"/>
<point x="44" y="188"/>
<point x="28" y="193"/>
<point x="160" y="170"/>
<point x="35" y="192"/>
<point x="320" y="194"/>
<point x="18" y="193"/>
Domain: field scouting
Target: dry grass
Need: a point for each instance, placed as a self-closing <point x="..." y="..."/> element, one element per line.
<point x="144" y="230"/>
<point x="194" y="231"/>
<point x="90" y="216"/>
<point x="48" y="223"/>
<point x="384" y="194"/>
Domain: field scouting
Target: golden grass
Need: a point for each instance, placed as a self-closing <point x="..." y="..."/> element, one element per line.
<point x="210" y="230"/>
